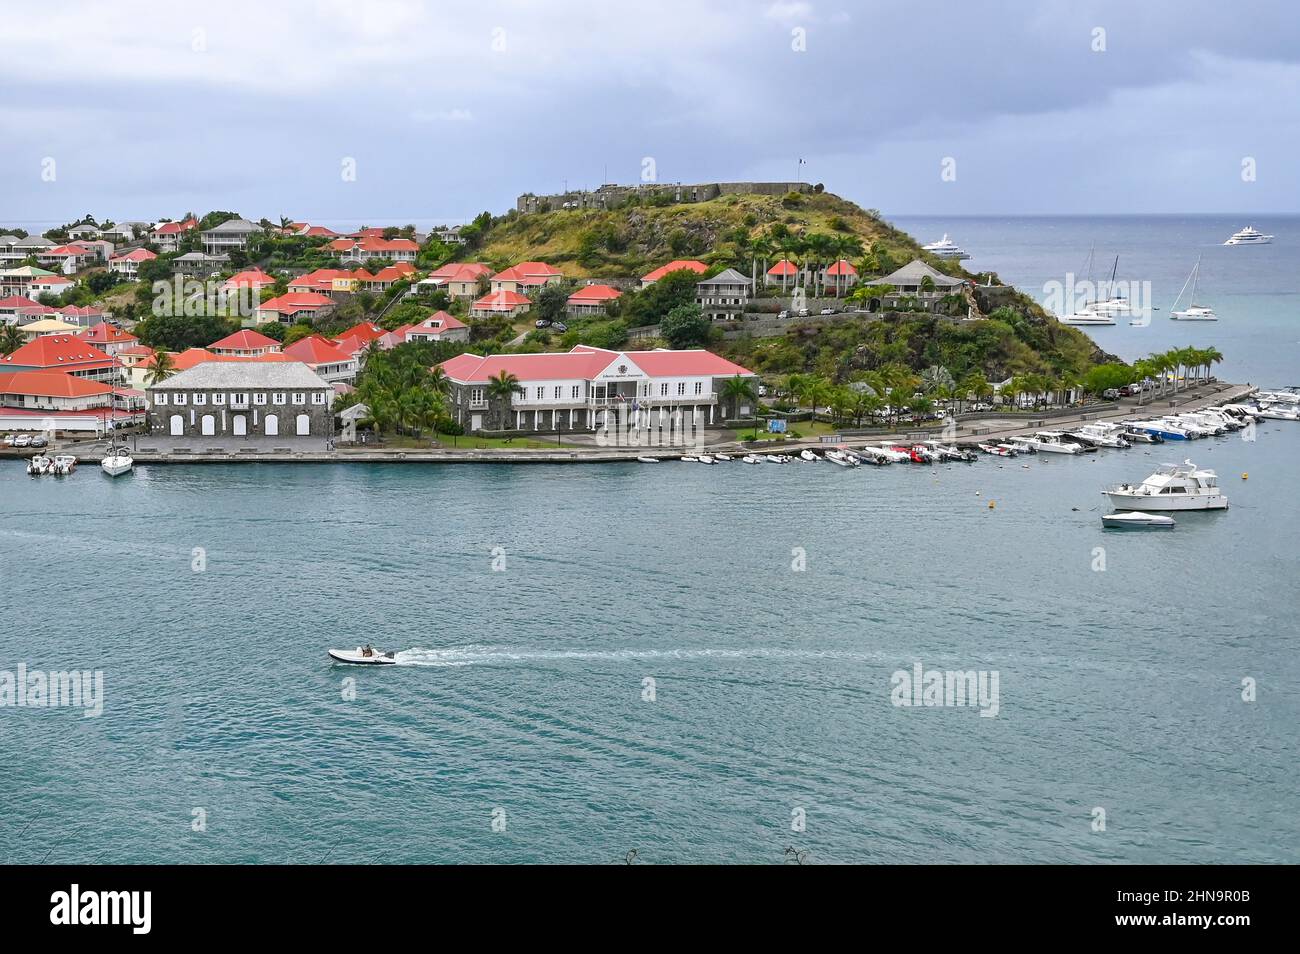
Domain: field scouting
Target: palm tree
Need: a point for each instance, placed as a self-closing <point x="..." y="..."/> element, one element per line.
<point x="739" y="389"/>
<point x="503" y="387"/>
<point x="974" y="383"/>
<point x="1211" y="356"/>
<point x="11" y="339"/>
<point x="161" y="367"/>
<point x="438" y="380"/>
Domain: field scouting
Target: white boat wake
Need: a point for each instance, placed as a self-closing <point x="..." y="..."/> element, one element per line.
<point x="487" y="655"/>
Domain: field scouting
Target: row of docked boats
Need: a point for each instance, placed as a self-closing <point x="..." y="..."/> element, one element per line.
<point x="60" y="465"/>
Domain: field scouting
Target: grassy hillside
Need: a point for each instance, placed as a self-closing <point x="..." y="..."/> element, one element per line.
<point x="738" y="230"/>
<point x="633" y="240"/>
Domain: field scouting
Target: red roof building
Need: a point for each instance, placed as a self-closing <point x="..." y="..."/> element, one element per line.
<point x="588" y="387"/>
<point x="253" y="278"/>
<point x="66" y="353"/>
<point x="439" y="326"/>
<point x="244" y="343"/>
<point x="501" y="302"/>
<point x="699" y="268"/>
<point x="293" y="307"/>
<point x="526" y="276"/>
<point x="109" y="338"/>
<point x="592" y="299"/>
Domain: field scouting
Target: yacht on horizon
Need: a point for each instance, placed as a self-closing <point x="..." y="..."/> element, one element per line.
<point x="1249" y="236"/>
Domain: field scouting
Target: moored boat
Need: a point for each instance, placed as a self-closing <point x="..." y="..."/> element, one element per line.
<point x="1172" y="487"/>
<point x="1134" y="520"/>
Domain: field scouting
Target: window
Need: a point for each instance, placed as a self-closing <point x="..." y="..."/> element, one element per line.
<point x="239" y="399"/>
<point x="299" y="397"/>
<point x="663" y="389"/>
<point x="699" y="387"/>
<point x="180" y="398"/>
<point x="681" y="388"/>
<point x="277" y="397"/>
<point x="200" y="399"/>
<point x="218" y="399"/>
<point x="160" y="397"/>
<point x="557" y="392"/>
<point x="259" y="398"/>
<point x="541" y="393"/>
<point x="476" y="394"/>
<point x="318" y="397"/>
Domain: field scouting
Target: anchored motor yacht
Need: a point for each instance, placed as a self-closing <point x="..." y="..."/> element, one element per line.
<point x="946" y="248"/>
<point x="1089" y="315"/>
<point x="1172" y="487"/>
<point x="1100" y="435"/>
<point x="1249" y="236"/>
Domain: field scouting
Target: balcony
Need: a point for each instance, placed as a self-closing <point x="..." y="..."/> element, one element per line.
<point x="673" y="400"/>
<point x="239" y="405"/>
<point x="478" y="405"/>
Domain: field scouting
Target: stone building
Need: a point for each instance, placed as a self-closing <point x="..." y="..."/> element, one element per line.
<point x="241" y="399"/>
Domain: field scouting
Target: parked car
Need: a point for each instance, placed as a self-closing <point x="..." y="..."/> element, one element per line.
<point x="542" y="323"/>
<point x="762" y="390"/>
<point x="828" y="311"/>
<point x="1129" y="390"/>
<point x="1110" y="394"/>
<point x="9" y="439"/>
<point x="37" y="441"/>
<point x="560" y="326"/>
<point x="783" y="314"/>
<point x="981" y="406"/>
<point x="23" y="440"/>
<point x="802" y="313"/>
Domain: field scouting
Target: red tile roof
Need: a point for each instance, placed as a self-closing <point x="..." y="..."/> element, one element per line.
<point x="135" y="255"/>
<point x="585" y="363"/>
<point x="295" y="301"/>
<point x="104" y="333"/>
<point x="18" y="301"/>
<point x="594" y="295"/>
<point x="501" y="301"/>
<point x="438" y="322"/>
<point x="698" y="268"/>
<point x="245" y="340"/>
<point x="58" y="351"/>
<point x="364" y="331"/>
<point x="252" y="278"/>
<point x="49" y="384"/>
<point x="461" y="271"/>
<point x="175" y="228"/>
<point x="841" y="268"/>
<point x="782" y="268"/>
<point x="316" y="350"/>
<point x="528" y="273"/>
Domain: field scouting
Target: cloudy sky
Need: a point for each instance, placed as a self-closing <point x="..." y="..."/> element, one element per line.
<point x="443" y="109"/>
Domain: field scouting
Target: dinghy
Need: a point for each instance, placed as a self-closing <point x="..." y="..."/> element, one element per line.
<point x="1137" y="521"/>
<point x="648" y="460"/>
<point x="808" y="455"/>
<point x="357" y="657"/>
<point x="751" y="459"/>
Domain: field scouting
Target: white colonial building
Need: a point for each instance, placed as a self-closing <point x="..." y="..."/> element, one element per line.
<point x="588" y="387"/>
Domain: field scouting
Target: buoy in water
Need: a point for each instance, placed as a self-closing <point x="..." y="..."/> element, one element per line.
<point x="991" y="504"/>
<point x="1245" y="476"/>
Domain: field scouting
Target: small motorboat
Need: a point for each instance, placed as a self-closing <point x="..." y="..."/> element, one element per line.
<point x="690" y="459"/>
<point x="751" y="459"/>
<point x="648" y="460"/>
<point x="997" y="450"/>
<point x="722" y="457"/>
<point x="39" y="465"/>
<point x="776" y="458"/>
<point x="841" y="459"/>
<point x="704" y="459"/>
<point x="1132" y="520"/>
<point x="64" y="464"/>
<point x="808" y="455"/>
<point x="360" y="657"/>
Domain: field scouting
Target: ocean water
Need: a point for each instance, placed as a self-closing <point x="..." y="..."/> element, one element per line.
<point x="520" y="726"/>
<point x="1254" y="289"/>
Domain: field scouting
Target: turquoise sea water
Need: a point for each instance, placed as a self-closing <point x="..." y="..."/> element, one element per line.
<point x="523" y="692"/>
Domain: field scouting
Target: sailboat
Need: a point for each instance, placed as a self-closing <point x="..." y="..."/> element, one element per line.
<point x="1088" y="314"/>
<point x="116" y="460"/>
<point x="1193" y="312"/>
<point x="1116" y="304"/>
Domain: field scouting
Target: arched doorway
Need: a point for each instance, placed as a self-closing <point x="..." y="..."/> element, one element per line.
<point x="272" y="423"/>
<point x="303" y="424"/>
<point x="177" y="424"/>
<point x="209" y="425"/>
<point x="241" y="425"/>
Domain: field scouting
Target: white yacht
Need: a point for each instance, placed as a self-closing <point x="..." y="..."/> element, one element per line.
<point x="946" y="248"/>
<point x="1088" y="315"/>
<point x="1172" y="487"/>
<point x="1249" y="236"/>
<point x="1193" y="311"/>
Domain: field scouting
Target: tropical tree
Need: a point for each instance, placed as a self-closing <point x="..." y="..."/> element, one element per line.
<point x="502" y="388"/>
<point x="11" y="339"/>
<point x="162" y="366"/>
<point x="738" y="389"/>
